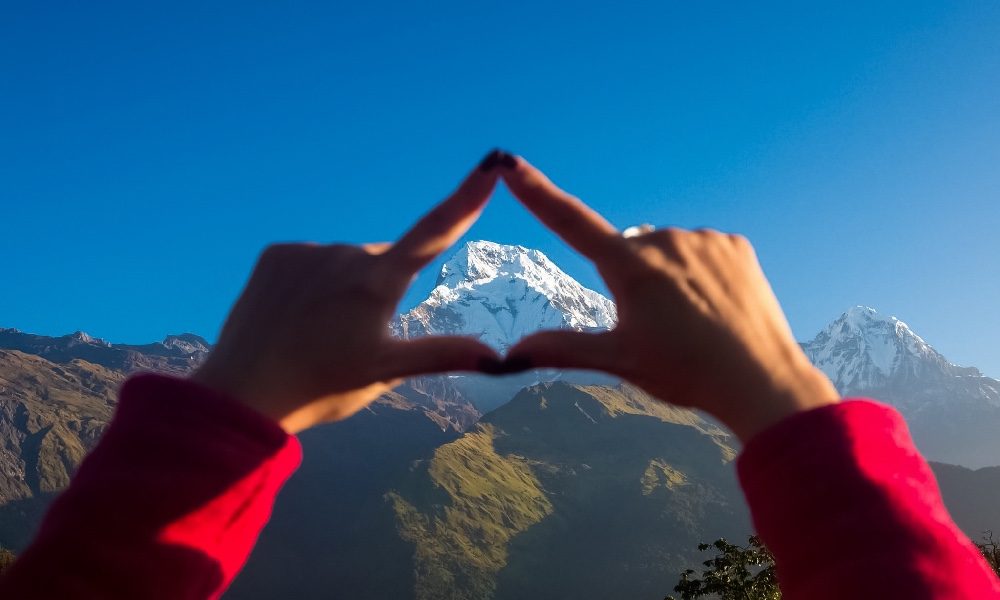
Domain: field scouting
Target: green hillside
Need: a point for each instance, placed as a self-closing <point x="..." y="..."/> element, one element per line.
<point x="566" y="491"/>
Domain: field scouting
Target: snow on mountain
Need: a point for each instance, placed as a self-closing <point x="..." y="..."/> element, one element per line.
<point x="187" y="343"/>
<point x="82" y="337"/>
<point x="502" y="293"/>
<point x="953" y="412"/>
<point x="864" y="350"/>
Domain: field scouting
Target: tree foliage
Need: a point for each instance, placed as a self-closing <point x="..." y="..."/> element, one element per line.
<point x="991" y="550"/>
<point x="6" y="559"/>
<point x="747" y="572"/>
<point x="735" y="573"/>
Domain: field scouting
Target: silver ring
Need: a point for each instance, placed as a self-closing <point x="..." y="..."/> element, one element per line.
<point x="637" y="230"/>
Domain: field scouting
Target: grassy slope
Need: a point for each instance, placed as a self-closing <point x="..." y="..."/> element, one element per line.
<point x="461" y="543"/>
<point x="566" y="491"/>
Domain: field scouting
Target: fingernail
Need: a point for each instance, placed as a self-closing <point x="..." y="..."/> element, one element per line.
<point x="490" y="366"/>
<point x="497" y="158"/>
<point x="508" y="160"/>
<point x="517" y="364"/>
<point x="491" y="160"/>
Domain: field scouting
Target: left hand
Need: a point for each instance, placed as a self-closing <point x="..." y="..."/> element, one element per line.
<point x="308" y="340"/>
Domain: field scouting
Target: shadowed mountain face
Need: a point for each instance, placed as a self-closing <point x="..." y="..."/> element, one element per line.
<point x="569" y="491"/>
<point x="332" y="533"/>
<point x="972" y="497"/>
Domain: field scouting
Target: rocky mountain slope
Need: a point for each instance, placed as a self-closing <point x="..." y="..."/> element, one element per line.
<point x="953" y="412"/>
<point x="51" y="415"/>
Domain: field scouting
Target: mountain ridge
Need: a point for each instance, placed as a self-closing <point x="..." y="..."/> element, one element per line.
<point x="503" y="292"/>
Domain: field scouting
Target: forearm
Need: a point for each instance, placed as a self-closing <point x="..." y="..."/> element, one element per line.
<point x="168" y="505"/>
<point x="851" y="510"/>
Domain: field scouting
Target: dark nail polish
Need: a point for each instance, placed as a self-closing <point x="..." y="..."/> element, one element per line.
<point x="498" y="158"/>
<point x="490" y="366"/>
<point x="508" y="161"/>
<point x="517" y="364"/>
<point x="491" y="160"/>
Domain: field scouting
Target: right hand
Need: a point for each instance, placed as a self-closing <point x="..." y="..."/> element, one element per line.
<point x="698" y="324"/>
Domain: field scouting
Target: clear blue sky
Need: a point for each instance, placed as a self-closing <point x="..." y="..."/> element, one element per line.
<point x="149" y="150"/>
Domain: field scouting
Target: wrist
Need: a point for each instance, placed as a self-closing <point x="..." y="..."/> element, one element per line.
<point x="216" y="377"/>
<point x="801" y="389"/>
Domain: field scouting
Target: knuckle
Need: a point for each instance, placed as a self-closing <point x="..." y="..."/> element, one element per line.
<point x="669" y="240"/>
<point x="275" y="253"/>
<point x="342" y="257"/>
<point x="670" y="234"/>
<point x="740" y="241"/>
<point x="374" y="288"/>
<point x="283" y="250"/>
<point x="636" y="282"/>
<point x="372" y="282"/>
<point x="338" y="250"/>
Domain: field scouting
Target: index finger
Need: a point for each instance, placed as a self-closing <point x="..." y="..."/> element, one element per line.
<point x="445" y="223"/>
<point x="582" y="227"/>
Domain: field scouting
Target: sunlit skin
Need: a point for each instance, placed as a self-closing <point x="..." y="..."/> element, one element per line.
<point x="699" y="326"/>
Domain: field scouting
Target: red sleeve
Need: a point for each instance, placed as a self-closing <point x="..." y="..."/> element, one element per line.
<point x="168" y="505"/>
<point x="851" y="510"/>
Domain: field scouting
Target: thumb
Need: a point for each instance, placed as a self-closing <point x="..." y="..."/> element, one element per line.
<point x="437" y="354"/>
<point x="564" y="349"/>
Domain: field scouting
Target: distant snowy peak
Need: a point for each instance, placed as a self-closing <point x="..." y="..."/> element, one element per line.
<point x="863" y="350"/>
<point x="187" y="343"/>
<point x="500" y="294"/>
<point x="82" y="337"/>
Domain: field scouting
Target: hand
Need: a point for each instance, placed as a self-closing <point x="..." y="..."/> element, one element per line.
<point x="308" y="340"/>
<point x="698" y="324"/>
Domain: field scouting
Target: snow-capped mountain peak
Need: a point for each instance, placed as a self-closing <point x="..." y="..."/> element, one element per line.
<point x="865" y="350"/>
<point x="501" y="293"/>
<point x="187" y="343"/>
<point x="82" y="337"/>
